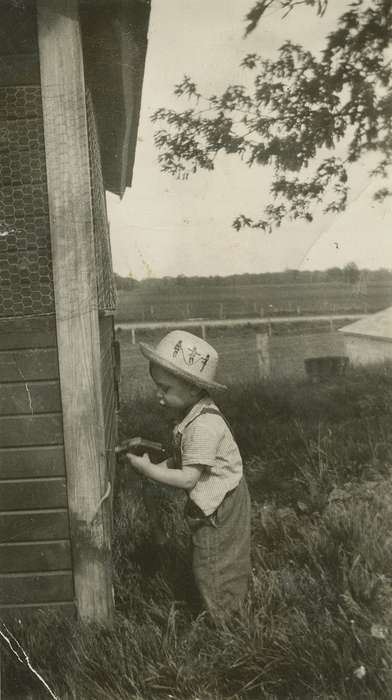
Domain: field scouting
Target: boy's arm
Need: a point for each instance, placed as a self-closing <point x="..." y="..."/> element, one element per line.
<point x="184" y="478"/>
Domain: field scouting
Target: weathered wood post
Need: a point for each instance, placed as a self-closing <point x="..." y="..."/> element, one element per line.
<point x="263" y="354"/>
<point x="71" y="224"/>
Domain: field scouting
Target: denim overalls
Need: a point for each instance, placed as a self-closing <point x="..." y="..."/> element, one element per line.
<point x="221" y="543"/>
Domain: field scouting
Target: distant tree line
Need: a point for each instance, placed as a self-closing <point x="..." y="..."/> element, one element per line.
<point x="349" y="274"/>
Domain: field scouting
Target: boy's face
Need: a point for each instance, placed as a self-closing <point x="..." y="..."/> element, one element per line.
<point x="173" y="392"/>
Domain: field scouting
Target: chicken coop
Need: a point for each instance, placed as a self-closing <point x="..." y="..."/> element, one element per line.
<point x="71" y="75"/>
<point x="369" y="340"/>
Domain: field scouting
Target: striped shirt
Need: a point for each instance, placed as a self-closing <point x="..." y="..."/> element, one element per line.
<point x="205" y="439"/>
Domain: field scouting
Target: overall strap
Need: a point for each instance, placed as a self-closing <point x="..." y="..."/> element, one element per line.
<point x="213" y="411"/>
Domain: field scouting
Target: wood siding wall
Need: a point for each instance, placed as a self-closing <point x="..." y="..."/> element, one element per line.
<point x="37" y="557"/>
<point x="362" y="350"/>
<point x="35" y="552"/>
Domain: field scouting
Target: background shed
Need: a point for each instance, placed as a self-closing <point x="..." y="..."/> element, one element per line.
<point x="70" y="86"/>
<point x="369" y="340"/>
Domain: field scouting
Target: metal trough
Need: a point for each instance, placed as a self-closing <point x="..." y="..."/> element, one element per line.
<point x="326" y="367"/>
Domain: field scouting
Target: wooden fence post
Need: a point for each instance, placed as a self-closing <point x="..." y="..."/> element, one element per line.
<point x="71" y="225"/>
<point x="263" y="355"/>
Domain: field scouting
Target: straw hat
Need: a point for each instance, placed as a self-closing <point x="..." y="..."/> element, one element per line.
<point x="187" y="356"/>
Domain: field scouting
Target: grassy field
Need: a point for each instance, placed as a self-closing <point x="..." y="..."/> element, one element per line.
<point x="317" y="624"/>
<point x="250" y="300"/>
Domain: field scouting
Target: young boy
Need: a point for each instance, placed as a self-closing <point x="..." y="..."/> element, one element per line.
<point x="206" y="463"/>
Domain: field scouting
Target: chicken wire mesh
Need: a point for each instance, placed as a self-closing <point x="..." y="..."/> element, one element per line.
<point x="26" y="284"/>
<point x="103" y="256"/>
<point x="26" y="280"/>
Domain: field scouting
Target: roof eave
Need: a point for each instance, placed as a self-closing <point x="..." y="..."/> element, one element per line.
<point x="115" y="46"/>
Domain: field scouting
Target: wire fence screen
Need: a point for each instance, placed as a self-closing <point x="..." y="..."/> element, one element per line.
<point x="103" y="257"/>
<point x="26" y="277"/>
<point x="26" y="283"/>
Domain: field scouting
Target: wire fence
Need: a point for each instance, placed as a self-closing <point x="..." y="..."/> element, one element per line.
<point x="246" y="355"/>
<point x="172" y="310"/>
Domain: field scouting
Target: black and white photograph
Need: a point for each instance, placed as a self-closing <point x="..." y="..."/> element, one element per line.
<point x="195" y="349"/>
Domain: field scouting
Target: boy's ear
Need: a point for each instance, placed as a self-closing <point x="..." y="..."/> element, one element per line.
<point x="197" y="391"/>
<point x="193" y="389"/>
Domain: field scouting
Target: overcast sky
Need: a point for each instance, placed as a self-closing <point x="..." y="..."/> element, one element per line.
<point x="168" y="227"/>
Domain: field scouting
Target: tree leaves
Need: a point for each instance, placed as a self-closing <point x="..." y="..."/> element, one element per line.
<point x="257" y="11"/>
<point x="298" y="110"/>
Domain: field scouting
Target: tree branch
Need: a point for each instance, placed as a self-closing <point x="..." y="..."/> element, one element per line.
<point x="297" y="110"/>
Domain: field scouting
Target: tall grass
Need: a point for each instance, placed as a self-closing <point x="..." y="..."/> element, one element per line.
<point x="317" y="619"/>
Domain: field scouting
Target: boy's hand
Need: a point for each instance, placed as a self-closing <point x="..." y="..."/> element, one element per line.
<point x="141" y="464"/>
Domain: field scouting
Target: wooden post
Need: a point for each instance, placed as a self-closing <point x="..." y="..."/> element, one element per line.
<point x="133" y="336"/>
<point x="71" y="224"/>
<point x="203" y="331"/>
<point x="263" y="355"/>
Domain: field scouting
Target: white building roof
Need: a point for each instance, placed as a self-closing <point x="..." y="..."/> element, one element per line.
<point x="377" y="325"/>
